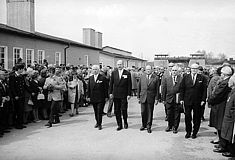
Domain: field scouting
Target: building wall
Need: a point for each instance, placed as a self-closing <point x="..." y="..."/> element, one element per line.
<point x="75" y="54"/>
<point x="106" y="60"/>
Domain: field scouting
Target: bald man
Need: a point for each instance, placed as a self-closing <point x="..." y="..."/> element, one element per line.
<point x="97" y="94"/>
<point x="120" y="90"/>
<point x="193" y="91"/>
<point x="147" y="93"/>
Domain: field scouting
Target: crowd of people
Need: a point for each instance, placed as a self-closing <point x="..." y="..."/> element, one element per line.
<point x="44" y="92"/>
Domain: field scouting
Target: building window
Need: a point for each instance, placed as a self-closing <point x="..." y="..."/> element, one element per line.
<point x="17" y="54"/>
<point x="29" y="57"/>
<point x="87" y="60"/>
<point x="3" y="57"/>
<point x="57" y="58"/>
<point x="41" y="56"/>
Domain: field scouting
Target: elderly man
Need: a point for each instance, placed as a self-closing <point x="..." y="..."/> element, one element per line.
<point x="97" y="94"/>
<point x="219" y="99"/>
<point x="193" y="92"/>
<point x="147" y="93"/>
<point x="170" y="91"/>
<point x="120" y="90"/>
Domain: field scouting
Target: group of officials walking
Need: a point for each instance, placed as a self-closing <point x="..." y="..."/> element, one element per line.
<point x="180" y="93"/>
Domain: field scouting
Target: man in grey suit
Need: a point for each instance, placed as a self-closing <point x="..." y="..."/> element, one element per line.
<point x="170" y="96"/>
<point x="147" y="93"/>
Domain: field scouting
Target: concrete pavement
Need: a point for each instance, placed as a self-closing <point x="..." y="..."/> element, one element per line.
<point x="75" y="138"/>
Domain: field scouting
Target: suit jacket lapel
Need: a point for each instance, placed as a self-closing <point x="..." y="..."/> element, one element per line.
<point x="150" y="80"/>
<point x="92" y="82"/>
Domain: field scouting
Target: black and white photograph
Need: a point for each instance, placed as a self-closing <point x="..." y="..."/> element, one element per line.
<point x="117" y="80"/>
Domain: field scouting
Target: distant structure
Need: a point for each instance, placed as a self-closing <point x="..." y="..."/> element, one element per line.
<point x="20" y="14"/>
<point x="164" y="59"/>
<point x="92" y="38"/>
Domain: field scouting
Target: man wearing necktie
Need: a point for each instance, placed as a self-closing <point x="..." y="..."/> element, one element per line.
<point x="120" y="89"/>
<point x="147" y="93"/>
<point x="97" y="94"/>
<point x="193" y="91"/>
<point x="170" y="91"/>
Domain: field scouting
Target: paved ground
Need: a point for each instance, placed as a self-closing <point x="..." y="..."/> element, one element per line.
<point x="76" y="138"/>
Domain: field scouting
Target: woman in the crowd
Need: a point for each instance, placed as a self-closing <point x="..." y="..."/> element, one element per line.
<point x="79" y="93"/>
<point x="35" y="89"/>
<point x="28" y="103"/>
<point x="43" y="106"/>
<point x="72" y="85"/>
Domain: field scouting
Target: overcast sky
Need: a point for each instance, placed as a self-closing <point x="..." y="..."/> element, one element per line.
<point x="175" y="27"/>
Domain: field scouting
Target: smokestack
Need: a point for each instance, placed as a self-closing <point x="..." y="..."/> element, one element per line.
<point x="89" y="36"/>
<point x="98" y="39"/>
<point x="3" y="12"/>
<point x="20" y="14"/>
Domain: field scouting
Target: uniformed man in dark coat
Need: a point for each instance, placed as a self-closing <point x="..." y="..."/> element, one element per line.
<point x="17" y="89"/>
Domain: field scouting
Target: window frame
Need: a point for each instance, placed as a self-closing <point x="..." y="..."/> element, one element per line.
<point x="43" y="56"/>
<point x="26" y="56"/>
<point x="59" y="58"/>
<point x="21" y="54"/>
<point x="5" y="57"/>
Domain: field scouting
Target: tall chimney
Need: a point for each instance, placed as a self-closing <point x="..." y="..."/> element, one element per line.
<point x="20" y="14"/>
<point x="3" y="11"/>
<point x="98" y="39"/>
<point x="89" y="36"/>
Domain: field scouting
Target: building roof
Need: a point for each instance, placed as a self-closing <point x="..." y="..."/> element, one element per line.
<point x="117" y="49"/>
<point x="121" y="56"/>
<point x="38" y="35"/>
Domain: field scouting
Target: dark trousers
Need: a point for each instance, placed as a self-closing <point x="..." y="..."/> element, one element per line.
<point x="228" y="146"/>
<point x="147" y="114"/>
<point x="196" y="118"/>
<point x="19" y="111"/>
<point x="110" y="105"/>
<point x="202" y="110"/>
<point x="173" y="114"/>
<point x="54" y="114"/>
<point x="120" y="109"/>
<point x="98" y="109"/>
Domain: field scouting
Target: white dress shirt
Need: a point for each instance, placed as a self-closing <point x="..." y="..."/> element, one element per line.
<point x="120" y="73"/>
<point x="95" y="77"/>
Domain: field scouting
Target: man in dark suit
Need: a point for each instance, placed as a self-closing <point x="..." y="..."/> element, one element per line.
<point x="17" y="89"/>
<point x="97" y="94"/>
<point x="193" y="92"/>
<point x="170" y="97"/>
<point x="120" y="90"/>
<point x="147" y="93"/>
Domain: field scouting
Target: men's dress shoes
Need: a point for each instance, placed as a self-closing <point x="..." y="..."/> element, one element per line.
<point x="217" y="146"/>
<point x="23" y="126"/>
<point x="175" y="131"/>
<point x="228" y="154"/>
<point x="96" y="126"/>
<point x="119" y="128"/>
<point x="18" y="127"/>
<point x="168" y="129"/>
<point x="149" y="130"/>
<point x="104" y="113"/>
<point x="109" y="115"/>
<point x="187" y="135"/>
<point x="219" y="150"/>
<point x="194" y="136"/>
<point x="126" y="125"/>
<point x="49" y="125"/>
<point x="214" y="142"/>
<point x="6" y="131"/>
<point x="99" y="127"/>
<point x="142" y="128"/>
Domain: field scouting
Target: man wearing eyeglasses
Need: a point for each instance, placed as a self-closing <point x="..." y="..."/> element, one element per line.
<point x="193" y="93"/>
